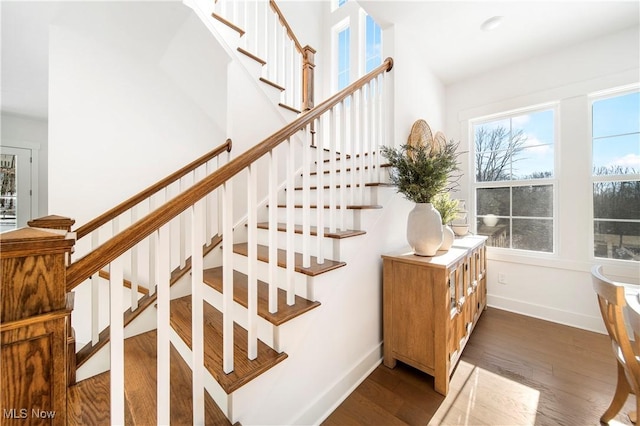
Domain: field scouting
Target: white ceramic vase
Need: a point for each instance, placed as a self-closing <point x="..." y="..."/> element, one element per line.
<point x="424" y="229"/>
<point x="447" y="237"/>
<point x="490" y="220"/>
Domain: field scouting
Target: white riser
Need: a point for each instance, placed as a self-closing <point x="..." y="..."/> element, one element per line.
<point x="266" y="330"/>
<point x="370" y="195"/>
<point x="382" y="177"/>
<point x="351" y="217"/>
<point x="331" y="246"/>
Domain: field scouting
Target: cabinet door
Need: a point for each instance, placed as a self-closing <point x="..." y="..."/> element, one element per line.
<point x="413" y="314"/>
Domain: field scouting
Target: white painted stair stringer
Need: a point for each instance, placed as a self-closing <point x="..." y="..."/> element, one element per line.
<point x="230" y="41"/>
<point x="333" y="347"/>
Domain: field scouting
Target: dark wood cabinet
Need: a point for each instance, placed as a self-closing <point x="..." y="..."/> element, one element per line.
<point x="34" y="326"/>
<point x="431" y="305"/>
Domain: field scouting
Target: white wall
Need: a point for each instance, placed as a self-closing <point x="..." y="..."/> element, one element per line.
<point x="123" y="106"/>
<point x="555" y="287"/>
<point x="25" y="132"/>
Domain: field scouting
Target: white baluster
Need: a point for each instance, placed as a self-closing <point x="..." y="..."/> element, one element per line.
<point x="273" y="232"/>
<point x="334" y="136"/>
<point x="116" y="341"/>
<point x="355" y="138"/>
<point x="134" y="267"/>
<point x="290" y="224"/>
<point x="319" y="136"/>
<point x="345" y="143"/>
<point x="252" y="261"/>
<point x="197" y="311"/>
<point x="183" y="232"/>
<point x="306" y="198"/>
<point x="227" y="277"/>
<point x="95" y="294"/>
<point x="153" y="244"/>
<point x="273" y="49"/>
<point x="163" y="256"/>
<point x="363" y="127"/>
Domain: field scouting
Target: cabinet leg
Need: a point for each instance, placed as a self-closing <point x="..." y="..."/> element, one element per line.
<point x="441" y="384"/>
<point x="389" y="362"/>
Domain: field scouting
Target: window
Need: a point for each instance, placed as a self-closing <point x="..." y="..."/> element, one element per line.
<point x="342" y="2"/>
<point x="373" y="44"/>
<point x="514" y="180"/>
<point x="616" y="176"/>
<point x="344" y="51"/>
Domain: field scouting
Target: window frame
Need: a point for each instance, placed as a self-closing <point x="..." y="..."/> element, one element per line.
<point x="554" y="181"/>
<point x="592" y="98"/>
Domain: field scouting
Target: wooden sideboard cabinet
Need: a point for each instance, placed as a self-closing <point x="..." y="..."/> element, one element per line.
<point x="431" y="305"/>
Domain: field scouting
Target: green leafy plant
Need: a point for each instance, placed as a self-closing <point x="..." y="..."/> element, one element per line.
<point x="447" y="206"/>
<point x="420" y="172"/>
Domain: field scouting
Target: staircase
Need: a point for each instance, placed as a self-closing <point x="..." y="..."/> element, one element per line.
<point x="278" y="314"/>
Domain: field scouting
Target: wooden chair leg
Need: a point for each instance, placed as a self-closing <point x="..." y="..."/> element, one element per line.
<point x="619" y="398"/>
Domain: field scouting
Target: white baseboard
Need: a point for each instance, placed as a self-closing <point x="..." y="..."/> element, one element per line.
<point x="316" y="412"/>
<point x="572" y="319"/>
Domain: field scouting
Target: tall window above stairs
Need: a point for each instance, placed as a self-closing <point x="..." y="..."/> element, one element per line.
<point x="344" y="52"/>
<point x="373" y="44"/>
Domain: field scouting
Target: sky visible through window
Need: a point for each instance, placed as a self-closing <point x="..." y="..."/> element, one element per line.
<point x="616" y="132"/>
<point x="344" y="40"/>
<point x="373" y="37"/>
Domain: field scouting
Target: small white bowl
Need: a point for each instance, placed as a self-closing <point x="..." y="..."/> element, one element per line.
<point x="460" y="230"/>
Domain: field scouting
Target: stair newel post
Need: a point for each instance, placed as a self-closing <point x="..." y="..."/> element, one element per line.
<point x="333" y="137"/>
<point x="345" y="144"/>
<point x="306" y="198"/>
<point x="35" y="322"/>
<point x="273" y="232"/>
<point x="252" y="261"/>
<point x="320" y="125"/>
<point x="163" y="274"/>
<point x="308" y="65"/>
<point x="116" y="340"/>
<point x="227" y="277"/>
<point x="197" y="311"/>
<point x="290" y="223"/>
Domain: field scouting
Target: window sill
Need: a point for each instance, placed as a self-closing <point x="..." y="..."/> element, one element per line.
<point x="621" y="269"/>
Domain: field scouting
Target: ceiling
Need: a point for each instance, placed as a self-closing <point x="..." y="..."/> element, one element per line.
<point x="448" y="32"/>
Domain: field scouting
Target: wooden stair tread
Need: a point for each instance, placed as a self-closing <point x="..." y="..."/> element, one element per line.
<point x="290" y="108"/>
<point x="245" y="370"/>
<point x="213" y="278"/>
<point x="229" y="24"/>
<point x="313" y="270"/>
<point x="349" y="207"/>
<point x="252" y="56"/>
<point x="88" y="402"/>
<point x="272" y="84"/>
<point x="282" y="227"/>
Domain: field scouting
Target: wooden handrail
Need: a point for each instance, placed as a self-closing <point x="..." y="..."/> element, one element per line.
<point x="143" y="195"/>
<point x="91" y="263"/>
<point x="285" y="24"/>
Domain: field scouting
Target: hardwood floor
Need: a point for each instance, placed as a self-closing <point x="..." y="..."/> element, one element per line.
<point x="515" y="370"/>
